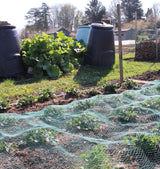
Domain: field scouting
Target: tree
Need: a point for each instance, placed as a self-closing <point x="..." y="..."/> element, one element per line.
<point x="129" y="8"/>
<point x="112" y="12"/>
<point x="95" y="11"/>
<point x="39" y="18"/>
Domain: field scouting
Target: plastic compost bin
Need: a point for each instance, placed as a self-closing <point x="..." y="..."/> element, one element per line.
<point x="83" y="33"/>
<point x="10" y="59"/>
<point x="101" y="49"/>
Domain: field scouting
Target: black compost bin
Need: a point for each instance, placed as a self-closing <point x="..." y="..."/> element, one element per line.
<point x="10" y="58"/>
<point x="100" y="46"/>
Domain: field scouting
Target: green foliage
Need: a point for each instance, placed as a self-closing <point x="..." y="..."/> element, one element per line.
<point x="142" y="38"/>
<point x="4" y="146"/>
<point x="28" y="100"/>
<point x="153" y="103"/>
<point x="84" y="105"/>
<point x="84" y="122"/>
<point x="96" y="158"/>
<point x="72" y="92"/>
<point x="52" y="112"/>
<point x="3" y="105"/>
<point x="7" y="121"/>
<point x="109" y="87"/>
<point x="50" y="56"/>
<point x="129" y="84"/>
<point x="92" y="92"/>
<point x="39" y="136"/>
<point x="45" y="95"/>
<point x="157" y="129"/>
<point x="127" y="115"/>
<point x="148" y="143"/>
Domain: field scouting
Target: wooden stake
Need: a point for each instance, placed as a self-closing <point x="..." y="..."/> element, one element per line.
<point x="120" y="43"/>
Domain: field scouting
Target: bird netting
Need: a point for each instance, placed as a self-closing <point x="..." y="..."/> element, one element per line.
<point x="126" y="125"/>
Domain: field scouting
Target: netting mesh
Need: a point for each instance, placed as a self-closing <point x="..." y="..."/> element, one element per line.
<point x="56" y="136"/>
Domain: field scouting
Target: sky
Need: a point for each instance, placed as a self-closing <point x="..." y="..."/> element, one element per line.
<point x="14" y="11"/>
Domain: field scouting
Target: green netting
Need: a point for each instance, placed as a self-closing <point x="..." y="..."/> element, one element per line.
<point x="56" y="136"/>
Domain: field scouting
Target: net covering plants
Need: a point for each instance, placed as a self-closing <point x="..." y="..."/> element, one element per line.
<point x="105" y="131"/>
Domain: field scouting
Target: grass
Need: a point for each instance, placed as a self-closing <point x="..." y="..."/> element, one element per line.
<point x="83" y="76"/>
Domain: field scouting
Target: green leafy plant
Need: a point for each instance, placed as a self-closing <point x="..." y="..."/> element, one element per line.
<point x="52" y="112"/>
<point x="127" y="115"/>
<point x="28" y="100"/>
<point x="4" y="105"/>
<point x="45" y="95"/>
<point x="92" y="92"/>
<point x="39" y="136"/>
<point x="129" y="84"/>
<point x="84" y="122"/>
<point x="148" y="143"/>
<point x="96" y="158"/>
<point x="4" y="146"/>
<point x="84" y="105"/>
<point x="52" y="56"/>
<point x="72" y="92"/>
<point x="109" y="87"/>
<point x="7" y="121"/>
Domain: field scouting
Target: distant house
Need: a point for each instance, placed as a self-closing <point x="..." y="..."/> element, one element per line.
<point x="54" y="31"/>
<point x="127" y="34"/>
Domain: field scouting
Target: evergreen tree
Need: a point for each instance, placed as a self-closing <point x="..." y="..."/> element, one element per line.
<point x="95" y="11"/>
<point x="129" y="8"/>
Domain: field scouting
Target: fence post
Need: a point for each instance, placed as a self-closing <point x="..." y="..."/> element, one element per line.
<point x="135" y="30"/>
<point x="120" y="43"/>
<point x="155" y="20"/>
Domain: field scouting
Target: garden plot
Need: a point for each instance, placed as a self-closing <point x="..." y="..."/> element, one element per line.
<point x="105" y="131"/>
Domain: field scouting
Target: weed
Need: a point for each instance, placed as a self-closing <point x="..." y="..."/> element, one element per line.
<point x="84" y="122"/>
<point x="96" y="158"/>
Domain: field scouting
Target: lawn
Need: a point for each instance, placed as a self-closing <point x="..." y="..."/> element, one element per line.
<point x="84" y="76"/>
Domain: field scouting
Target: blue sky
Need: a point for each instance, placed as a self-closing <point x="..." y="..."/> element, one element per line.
<point x="14" y="11"/>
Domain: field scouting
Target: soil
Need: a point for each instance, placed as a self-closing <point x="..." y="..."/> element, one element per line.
<point x="62" y="99"/>
<point x="50" y="157"/>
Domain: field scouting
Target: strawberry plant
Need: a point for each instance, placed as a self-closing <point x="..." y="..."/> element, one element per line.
<point x="129" y="84"/>
<point x="84" y="122"/>
<point x="92" y="92"/>
<point x="7" y="121"/>
<point x="39" y="136"/>
<point x="45" y="95"/>
<point x="148" y="143"/>
<point x="96" y="158"/>
<point x="3" y="105"/>
<point x="72" y="92"/>
<point x="28" y="100"/>
<point x="109" y="87"/>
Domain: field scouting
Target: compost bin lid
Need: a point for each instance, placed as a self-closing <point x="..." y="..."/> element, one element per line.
<point x="102" y="25"/>
<point x="7" y="27"/>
